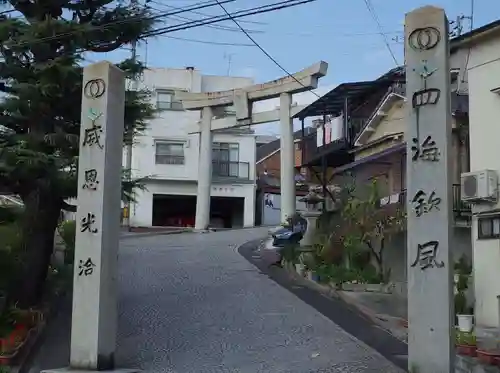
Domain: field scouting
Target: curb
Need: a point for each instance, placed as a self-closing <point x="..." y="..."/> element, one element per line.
<point x="366" y="312"/>
<point x="150" y="234"/>
<point x="328" y="302"/>
<point x="376" y="318"/>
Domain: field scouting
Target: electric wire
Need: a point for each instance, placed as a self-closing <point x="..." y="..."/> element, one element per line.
<point x="218" y="27"/>
<point x="239" y="14"/>
<point x="201" y="5"/>
<point x="200" y="13"/>
<point x="188" y="25"/>
<point x="208" y="41"/>
<point x="467" y="58"/>
<point x="262" y="49"/>
<point x="372" y="12"/>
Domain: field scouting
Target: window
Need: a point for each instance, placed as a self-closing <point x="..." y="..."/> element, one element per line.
<point x="230" y="110"/>
<point x="165" y="100"/>
<point x="226" y="158"/>
<point x="488" y="227"/>
<point x="226" y="152"/>
<point x="169" y="152"/>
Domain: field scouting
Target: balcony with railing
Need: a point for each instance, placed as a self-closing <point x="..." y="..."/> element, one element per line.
<point x="231" y="170"/>
<point x="461" y="210"/>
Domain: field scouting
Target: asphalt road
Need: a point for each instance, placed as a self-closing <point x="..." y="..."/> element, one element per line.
<point x="190" y="303"/>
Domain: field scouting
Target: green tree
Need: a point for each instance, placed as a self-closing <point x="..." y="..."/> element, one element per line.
<point x="42" y="46"/>
<point x="367" y="225"/>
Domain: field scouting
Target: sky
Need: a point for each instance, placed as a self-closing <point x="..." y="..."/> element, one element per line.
<point x="340" y="32"/>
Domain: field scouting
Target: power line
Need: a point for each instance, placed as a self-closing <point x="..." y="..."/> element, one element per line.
<point x="372" y="12"/>
<point x="199" y="13"/>
<point x="261" y="48"/>
<point x="238" y="14"/>
<point x="208" y="41"/>
<point x="185" y="26"/>
<point x="218" y="27"/>
<point x="470" y="46"/>
<point x="124" y="21"/>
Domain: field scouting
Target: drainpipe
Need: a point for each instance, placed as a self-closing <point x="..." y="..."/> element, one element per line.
<point x="323" y="162"/>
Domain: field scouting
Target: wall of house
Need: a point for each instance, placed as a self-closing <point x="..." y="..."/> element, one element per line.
<point x="272" y="164"/>
<point x="395" y="252"/>
<point x="174" y="125"/>
<point x="142" y="215"/>
<point x="484" y="111"/>
<point x="271" y="212"/>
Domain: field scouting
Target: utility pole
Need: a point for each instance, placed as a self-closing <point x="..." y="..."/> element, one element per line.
<point x="229" y="57"/>
<point x="128" y="159"/>
<point x="457" y="26"/>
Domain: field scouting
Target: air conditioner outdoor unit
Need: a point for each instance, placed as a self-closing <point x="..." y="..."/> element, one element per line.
<point x="479" y="186"/>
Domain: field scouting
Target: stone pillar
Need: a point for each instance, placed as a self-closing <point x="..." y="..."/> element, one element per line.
<point x="204" y="171"/>
<point x="287" y="158"/>
<point x="249" y="211"/>
<point x="431" y="333"/>
<point x="94" y="322"/>
<point x="311" y="229"/>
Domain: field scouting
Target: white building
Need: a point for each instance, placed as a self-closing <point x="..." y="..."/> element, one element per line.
<point x="168" y="155"/>
<point x="479" y="52"/>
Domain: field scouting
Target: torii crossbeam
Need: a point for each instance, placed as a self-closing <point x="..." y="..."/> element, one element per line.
<point x="243" y="100"/>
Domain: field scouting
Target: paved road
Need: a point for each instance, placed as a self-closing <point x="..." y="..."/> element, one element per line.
<point x="191" y="304"/>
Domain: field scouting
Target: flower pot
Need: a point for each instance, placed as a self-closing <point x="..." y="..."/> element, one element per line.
<point x="299" y="268"/>
<point x="487" y="358"/>
<point x="467" y="350"/>
<point x="465" y="323"/>
<point x="4" y="360"/>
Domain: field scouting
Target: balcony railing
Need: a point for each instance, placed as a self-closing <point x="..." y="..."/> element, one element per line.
<point x="230" y="169"/>
<point x="461" y="210"/>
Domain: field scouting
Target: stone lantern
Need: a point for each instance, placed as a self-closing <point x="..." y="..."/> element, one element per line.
<point x="312" y="201"/>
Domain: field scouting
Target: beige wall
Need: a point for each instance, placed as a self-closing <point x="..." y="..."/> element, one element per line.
<point x="394" y="123"/>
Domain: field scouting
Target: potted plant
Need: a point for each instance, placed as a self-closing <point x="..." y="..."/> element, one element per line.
<point x="463" y="312"/>
<point x="466" y="343"/>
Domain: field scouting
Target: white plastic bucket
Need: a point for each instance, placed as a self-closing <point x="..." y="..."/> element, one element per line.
<point x="465" y="323"/>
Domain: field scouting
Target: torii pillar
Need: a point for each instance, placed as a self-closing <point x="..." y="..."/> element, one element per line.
<point x="243" y="100"/>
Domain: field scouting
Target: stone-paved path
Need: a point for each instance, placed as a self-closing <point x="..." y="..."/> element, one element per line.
<point x="191" y="304"/>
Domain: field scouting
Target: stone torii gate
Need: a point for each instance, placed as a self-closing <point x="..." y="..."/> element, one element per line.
<point x="243" y="100"/>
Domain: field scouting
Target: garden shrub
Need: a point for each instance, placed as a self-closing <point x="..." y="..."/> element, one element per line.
<point x="10" y="241"/>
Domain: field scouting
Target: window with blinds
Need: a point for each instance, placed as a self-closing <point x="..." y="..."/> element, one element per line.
<point x="169" y="152"/>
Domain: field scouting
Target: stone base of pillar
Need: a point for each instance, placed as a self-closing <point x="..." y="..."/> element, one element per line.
<point x="311" y="218"/>
<point x="71" y="370"/>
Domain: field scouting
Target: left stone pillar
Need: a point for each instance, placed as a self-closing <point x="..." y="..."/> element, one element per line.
<point x="94" y="320"/>
<point x="287" y="158"/>
<point x="204" y="171"/>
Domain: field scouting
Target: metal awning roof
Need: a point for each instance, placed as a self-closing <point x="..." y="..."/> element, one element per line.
<point x="332" y="103"/>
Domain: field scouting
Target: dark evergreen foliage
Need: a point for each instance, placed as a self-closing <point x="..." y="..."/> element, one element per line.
<point x="42" y="47"/>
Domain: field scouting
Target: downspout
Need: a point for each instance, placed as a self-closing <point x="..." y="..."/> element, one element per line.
<point x="323" y="163"/>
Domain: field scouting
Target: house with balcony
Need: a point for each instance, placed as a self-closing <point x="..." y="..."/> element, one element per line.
<point x="168" y="154"/>
<point x="338" y="117"/>
<point x="363" y="125"/>
<point x="379" y="154"/>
